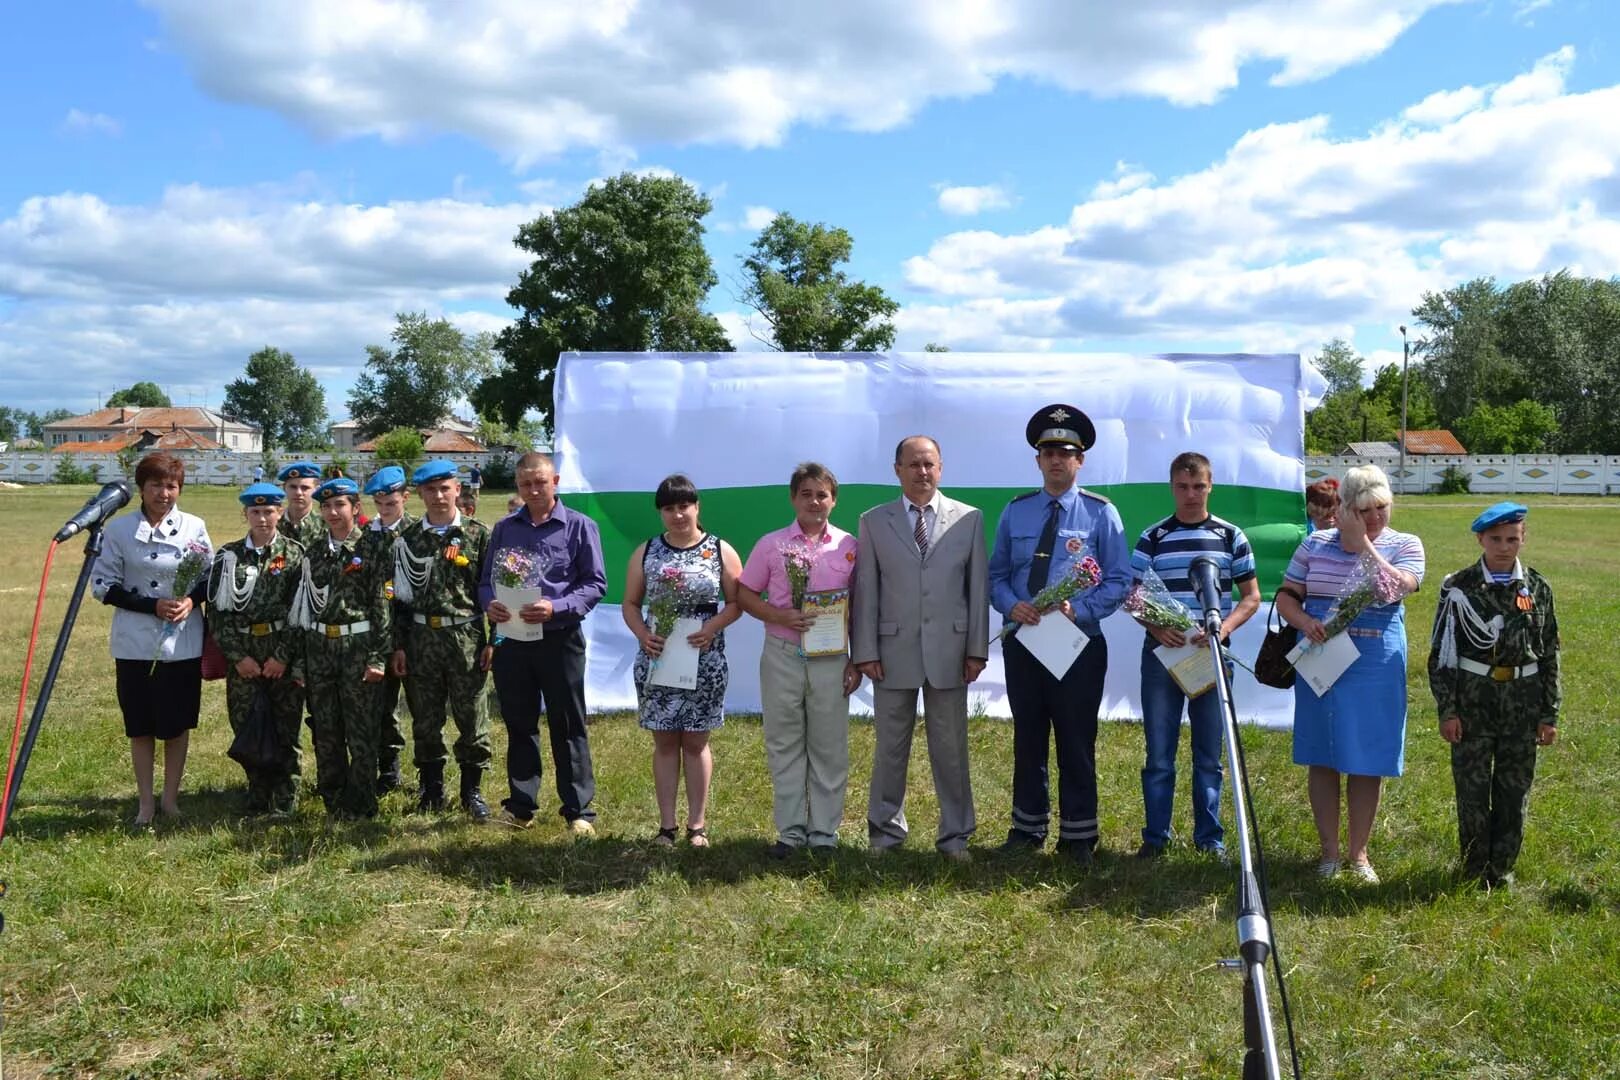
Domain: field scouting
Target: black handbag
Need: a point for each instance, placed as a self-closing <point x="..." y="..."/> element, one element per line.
<point x="255" y="746"/>
<point x="1271" y="665"/>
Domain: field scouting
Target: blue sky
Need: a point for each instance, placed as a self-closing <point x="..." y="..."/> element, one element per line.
<point x="188" y="181"/>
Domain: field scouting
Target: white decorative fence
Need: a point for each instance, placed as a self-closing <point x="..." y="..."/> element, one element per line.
<point x="202" y="467"/>
<point x="1543" y="474"/>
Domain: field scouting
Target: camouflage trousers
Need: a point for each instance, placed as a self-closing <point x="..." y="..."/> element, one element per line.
<point x="1492" y="768"/>
<point x="344" y="719"/>
<point x="275" y="788"/>
<point x="392" y="708"/>
<point x="443" y="681"/>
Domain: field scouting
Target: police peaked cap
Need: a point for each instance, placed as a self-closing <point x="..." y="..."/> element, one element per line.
<point x="1061" y="425"/>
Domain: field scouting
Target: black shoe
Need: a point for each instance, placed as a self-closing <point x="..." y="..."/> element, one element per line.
<point x="1150" y="851"/>
<point x="1076" y="851"/>
<point x="1018" y="841"/>
<point x="780" y="850"/>
<point x="430" y="799"/>
<point x="387" y="779"/>
<point x="472" y="800"/>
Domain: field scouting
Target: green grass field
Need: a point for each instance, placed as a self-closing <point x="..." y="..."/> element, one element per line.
<point x="415" y="946"/>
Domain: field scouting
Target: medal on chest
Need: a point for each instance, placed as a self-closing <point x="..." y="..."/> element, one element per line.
<point x="1523" y="601"/>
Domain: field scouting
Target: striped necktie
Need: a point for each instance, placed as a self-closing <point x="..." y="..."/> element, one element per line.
<point x="920" y="533"/>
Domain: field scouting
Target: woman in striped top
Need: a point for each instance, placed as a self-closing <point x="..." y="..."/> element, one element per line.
<point x="1358" y="728"/>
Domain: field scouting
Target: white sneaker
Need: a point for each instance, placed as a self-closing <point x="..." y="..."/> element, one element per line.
<point x="1364" y="872"/>
<point x="1327" y="868"/>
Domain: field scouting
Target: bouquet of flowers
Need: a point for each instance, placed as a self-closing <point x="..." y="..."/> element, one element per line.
<point x="669" y="596"/>
<point x="797" y="560"/>
<point x="1150" y="602"/>
<point x="193" y="565"/>
<point x="1369" y="584"/>
<point x="1082" y="575"/>
<point x="517" y="568"/>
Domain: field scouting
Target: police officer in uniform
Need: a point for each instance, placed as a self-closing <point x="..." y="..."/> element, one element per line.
<point x="299" y="520"/>
<point x="250" y="590"/>
<point x="1038" y="539"/>
<point x="342" y="606"/>
<point x="441" y="646"/>
<point x="386" y="487"/>
<point x="1493" y="669"/>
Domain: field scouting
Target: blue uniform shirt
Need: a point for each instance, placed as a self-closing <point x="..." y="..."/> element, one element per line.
<point x="1087" y="525"/>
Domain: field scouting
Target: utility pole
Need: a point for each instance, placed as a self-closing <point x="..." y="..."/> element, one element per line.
<point x="1406" y="356"/>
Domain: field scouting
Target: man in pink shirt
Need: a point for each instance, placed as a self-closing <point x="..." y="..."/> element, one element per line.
<point x="806" y="697"/>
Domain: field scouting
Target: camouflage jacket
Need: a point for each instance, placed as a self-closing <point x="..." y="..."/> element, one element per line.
<point x="451" y="588"/>
<point x="307" y="532"/>
<point x="1527" y="637"/>
<point x="251" y="631"/>
<point x="354" y="577"/>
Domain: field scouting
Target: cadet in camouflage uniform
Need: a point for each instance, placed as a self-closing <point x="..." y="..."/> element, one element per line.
<point x="250" y="589"/>
<point x="441" y="645"/>
<point x="342" y="605"/>
<point x="386" y="487"/>
<point x="1493" y="668"/>
<point x="299" y="521"/>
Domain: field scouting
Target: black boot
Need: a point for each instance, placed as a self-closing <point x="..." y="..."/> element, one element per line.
<point x="431" y="798"/>
<point x="471" y="800"/>
<point x="387" y="772"/>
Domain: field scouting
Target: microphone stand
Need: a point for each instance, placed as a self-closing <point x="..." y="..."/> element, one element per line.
<point x="92" y="549"/>
<point x="1253" y="921"/>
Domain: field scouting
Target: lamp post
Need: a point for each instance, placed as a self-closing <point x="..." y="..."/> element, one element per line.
<point x="1406" y="356"/>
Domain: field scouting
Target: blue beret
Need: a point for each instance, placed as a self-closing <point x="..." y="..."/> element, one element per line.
<point x="299" y="470"/>
<point x="386" y="481"/>
<point x="338" y="485"/>
<point x="1502" y="513"/>
<point x="260" y="494"/>
<point x="434" y="470"/>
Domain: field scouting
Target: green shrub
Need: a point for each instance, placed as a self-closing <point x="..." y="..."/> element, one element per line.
<point x="1453" y="481"/>
<point x="68" y="471"/>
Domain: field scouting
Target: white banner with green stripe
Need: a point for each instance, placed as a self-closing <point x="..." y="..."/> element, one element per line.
<point x="738" y="423"/>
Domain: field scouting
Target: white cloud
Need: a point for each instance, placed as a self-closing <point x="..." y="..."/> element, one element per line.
<point x="537" y="77"/>
<point x="182" y="290"/>
<point x="756" y="218"/>
<point x="964" y="201"/>
<point x="79" y="122"/>
<point x="1523" y="9"/>
<point x="1298" y="234"/>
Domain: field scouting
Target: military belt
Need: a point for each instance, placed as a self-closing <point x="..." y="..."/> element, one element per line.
<point x="1499" y="674"/>
<point x="265" y="629"/>
<point x="443" y="622"/>
<point x="338" y="630"/>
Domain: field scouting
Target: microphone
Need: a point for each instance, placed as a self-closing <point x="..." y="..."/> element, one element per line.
<point x="1205" y="573"/>
<point x="102" y="505"/>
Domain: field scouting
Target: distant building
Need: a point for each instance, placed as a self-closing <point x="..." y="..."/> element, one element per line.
<point x="1434" y="442"/>
<point x="186" y="427"/>
<point x="346" y="435"/>
<point x="1369" y="449"/>
<point x="437" y="441"/>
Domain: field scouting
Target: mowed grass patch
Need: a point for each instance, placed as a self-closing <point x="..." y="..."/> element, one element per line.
<point x="424" y="946"/>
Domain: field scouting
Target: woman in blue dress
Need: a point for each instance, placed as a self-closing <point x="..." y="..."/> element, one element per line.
<point x="1358" y="728"/>
<point x="701" y="570"/>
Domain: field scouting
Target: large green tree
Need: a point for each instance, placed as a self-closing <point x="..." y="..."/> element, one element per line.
<point x="13" y="423"/>
<point x="1525" y="427"/>
<point x="414" y="384"/>
<point x="1420" y="411"/>
<point x="37" y="421"/>
<point x="1340" y="365"/>
<point x="281" y="398"/>
<point x="792" y="279"/>
<point x="622" y="269"/>
<point x="143" y="395"/>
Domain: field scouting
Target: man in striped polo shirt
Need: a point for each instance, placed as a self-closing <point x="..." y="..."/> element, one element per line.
<point x="1168" y="548"/>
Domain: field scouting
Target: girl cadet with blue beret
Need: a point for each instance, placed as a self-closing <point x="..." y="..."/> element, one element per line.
<point x="342" y="607"/>
<point x="250" y="591"/>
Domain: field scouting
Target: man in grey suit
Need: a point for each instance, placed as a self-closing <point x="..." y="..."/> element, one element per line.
<point x="921" y="621"/>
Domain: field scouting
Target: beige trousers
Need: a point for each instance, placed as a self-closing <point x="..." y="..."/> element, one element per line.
<point x="806" y="721"/>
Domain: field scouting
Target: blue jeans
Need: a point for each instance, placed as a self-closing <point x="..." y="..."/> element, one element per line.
<point x="1162" y="700"/>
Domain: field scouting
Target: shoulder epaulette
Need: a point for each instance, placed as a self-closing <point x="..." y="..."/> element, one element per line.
<point x="1025" y="495"/>
<point x="1088" y="493"/>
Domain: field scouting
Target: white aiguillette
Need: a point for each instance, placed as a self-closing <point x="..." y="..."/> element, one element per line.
<point x="1321" y="665"/>
<point x="677" y="666"/>
<point x="1055" y="641"/>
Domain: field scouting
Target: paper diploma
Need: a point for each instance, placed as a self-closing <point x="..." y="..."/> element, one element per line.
<point x="677" y="666"/>
<point x="1055" y="641"/>
<point x="828" y="635"/>
<point x="1190" y="666"/>
<point x="1321" y="665"/>
<point x="514" y="598"/>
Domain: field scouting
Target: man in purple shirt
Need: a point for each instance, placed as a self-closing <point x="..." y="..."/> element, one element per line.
<point x="806" y="697"/>
<point x="550" y="671"/>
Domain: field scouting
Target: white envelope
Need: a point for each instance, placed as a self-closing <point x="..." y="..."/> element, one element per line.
<point x="678" y="666"/>
<point x="1055" y="641"/>
<point x="514" y="598"/>
<point x="1321" y="665"/>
